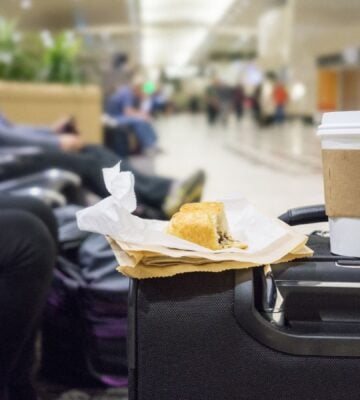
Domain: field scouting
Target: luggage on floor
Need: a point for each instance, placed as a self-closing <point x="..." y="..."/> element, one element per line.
<point x="85" y="321"/>
<point x="291" y="332"/>
<point x="122" y="140"/>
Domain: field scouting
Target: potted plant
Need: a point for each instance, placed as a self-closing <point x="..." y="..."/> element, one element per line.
<point x="60" y="56"/>
<point x="17" y="62"/>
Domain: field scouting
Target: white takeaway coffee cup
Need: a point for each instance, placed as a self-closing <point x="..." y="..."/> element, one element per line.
<point x="340" y="144"/>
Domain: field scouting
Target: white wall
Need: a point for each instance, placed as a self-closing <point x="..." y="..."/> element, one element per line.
<point x="296" y="34"/>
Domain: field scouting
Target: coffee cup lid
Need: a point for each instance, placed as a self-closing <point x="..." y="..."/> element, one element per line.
<point x="341" y="122"/>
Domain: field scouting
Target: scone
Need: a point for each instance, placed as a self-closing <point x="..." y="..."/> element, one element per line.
<point x="204" y="224"/>
<point x="214" y="208"/>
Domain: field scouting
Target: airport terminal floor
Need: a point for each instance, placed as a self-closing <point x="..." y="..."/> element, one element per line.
<point x="275" y="168"/>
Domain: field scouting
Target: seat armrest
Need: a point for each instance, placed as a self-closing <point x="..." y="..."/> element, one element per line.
<point x="59" y="178"/>
<point x="21" y="151"/>
<point x="53" y="179"/>
<point x="8" y="159"/>
<point x="48" y="196"/>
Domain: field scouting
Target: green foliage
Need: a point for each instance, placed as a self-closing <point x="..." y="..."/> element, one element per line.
<point x="60" y="58"/>
<point x="16" y="62"/>
<point x="26" y="58"/>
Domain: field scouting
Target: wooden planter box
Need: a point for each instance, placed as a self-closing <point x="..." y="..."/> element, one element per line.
<point x="43" y="104"/>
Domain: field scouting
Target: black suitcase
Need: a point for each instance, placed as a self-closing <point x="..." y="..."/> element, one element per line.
<point x="291" y="333"/>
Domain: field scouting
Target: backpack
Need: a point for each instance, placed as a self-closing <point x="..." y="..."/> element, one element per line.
<point x="84" y="325"/>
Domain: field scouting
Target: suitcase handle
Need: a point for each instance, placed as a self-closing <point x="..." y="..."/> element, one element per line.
<point x="261" y="301"/>
<point x="305" y="215"/>
<point x="272" y="333"/>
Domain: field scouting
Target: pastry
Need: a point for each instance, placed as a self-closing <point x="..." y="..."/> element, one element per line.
<point x="204" y="224"/>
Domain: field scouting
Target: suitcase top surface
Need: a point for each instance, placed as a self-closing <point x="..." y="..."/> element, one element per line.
<point x="323" y="266"/>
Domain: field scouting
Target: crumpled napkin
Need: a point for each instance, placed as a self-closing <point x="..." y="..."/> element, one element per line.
<point x="144" y="249"/>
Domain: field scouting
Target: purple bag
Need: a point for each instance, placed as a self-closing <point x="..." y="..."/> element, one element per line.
<point x="85" y="321"/>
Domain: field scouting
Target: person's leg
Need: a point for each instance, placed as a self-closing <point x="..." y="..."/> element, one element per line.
<point x="279" y="114"/>
<point x="88" y="168"/>
<point x="282" y="113"/>
<point x="145" y="132"/>
<point x="26" y="260"/>
<point x="104" y="157"/>
<point x="239" y="111"/>
<point x="143" y="129"/>
<point x="44" y="213"/>
<point x="20" y="385"/>
<point x="212" y="114"/>
<point x="88" y="164"/>
<point x="35" y="207"/>
<point x="150" y="189"/>
<point x="156" y="191"/>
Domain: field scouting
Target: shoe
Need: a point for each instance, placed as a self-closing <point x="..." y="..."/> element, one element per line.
<point x="188" y="191"/>
<point x="112" y="394"/>
<point x="74" y="395"/>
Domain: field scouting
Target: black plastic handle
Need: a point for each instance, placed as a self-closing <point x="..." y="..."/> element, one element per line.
<point x="284" y="339"/>
<point x="305" y="215"/>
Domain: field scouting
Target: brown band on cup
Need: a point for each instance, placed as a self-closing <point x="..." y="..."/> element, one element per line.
<point x="341" y="170"/>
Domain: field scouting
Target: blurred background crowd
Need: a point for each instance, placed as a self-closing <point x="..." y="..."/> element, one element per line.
<point x="177" y="52"/>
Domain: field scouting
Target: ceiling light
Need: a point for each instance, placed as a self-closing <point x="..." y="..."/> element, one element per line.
<point x="25" y="4"/>
<point x="176" y="72"/>
<point x="174" y="30"/>
<point x="171" y="47"/>
<point x="201" y="11"/>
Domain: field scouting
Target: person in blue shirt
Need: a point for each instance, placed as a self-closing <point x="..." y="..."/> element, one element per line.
<point x="124" y="105"/>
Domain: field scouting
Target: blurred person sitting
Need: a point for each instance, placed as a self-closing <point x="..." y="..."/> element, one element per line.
<point x="125" y="105"/>
<point x="280" y="98"/>
<point x="27" y="257"/>
<point x="67" y="151"/>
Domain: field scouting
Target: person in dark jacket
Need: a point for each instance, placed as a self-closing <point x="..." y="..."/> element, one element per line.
<point x="67" y="151"/>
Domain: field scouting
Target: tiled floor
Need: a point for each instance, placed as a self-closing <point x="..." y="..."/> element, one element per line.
<point x="275" y="168"/>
